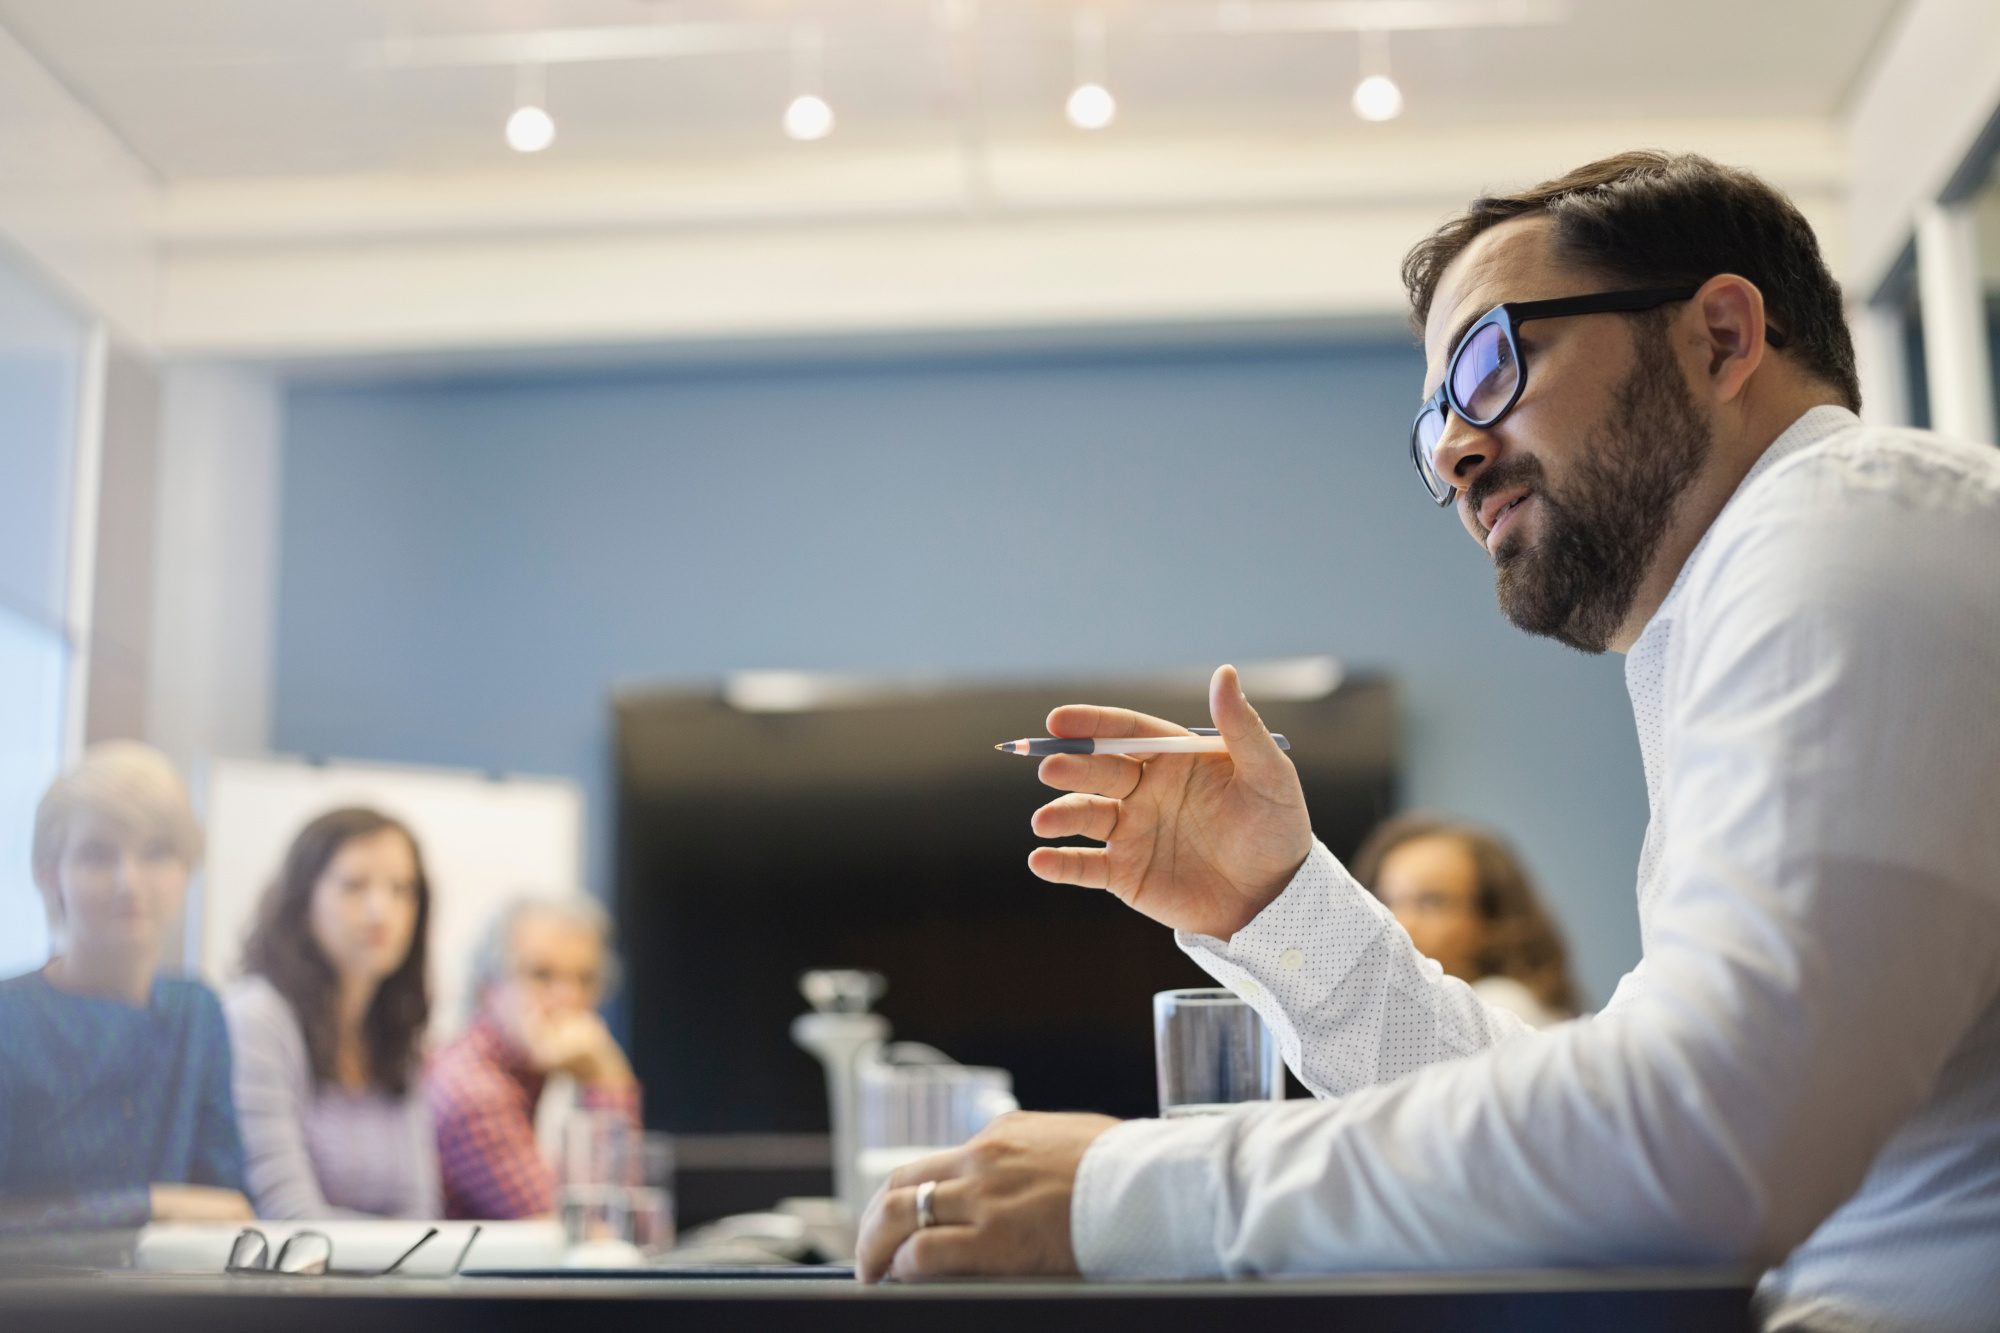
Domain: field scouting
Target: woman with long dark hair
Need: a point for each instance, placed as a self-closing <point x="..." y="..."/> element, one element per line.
<point x="327" y="1028"/>
<point x="1468" y="903"/>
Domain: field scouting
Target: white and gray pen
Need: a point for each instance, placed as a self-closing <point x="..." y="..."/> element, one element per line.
<point x="1202" y="740"/>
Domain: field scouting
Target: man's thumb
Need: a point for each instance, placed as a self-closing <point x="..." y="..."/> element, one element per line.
<point x="1249" y="741"/>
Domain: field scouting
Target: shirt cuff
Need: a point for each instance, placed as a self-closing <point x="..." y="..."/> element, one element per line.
<point x="96" y="1210"/>
<point x="1293" y="954"/>
<point x="1145" y="1200"/>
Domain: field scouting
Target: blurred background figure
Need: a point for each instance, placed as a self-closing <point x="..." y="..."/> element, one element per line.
<point x="328" y="1025"/>
<point x="1468" y="903"/>
<point x="114" y="1080"/>
<point x="541" y="972"/>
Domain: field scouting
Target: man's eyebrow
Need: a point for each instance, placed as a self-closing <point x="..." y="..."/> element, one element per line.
<point x="1458" y="335"/>
<point x="1465" y="327"/>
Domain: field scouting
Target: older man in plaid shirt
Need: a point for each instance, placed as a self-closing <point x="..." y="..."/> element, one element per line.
<point x="538" y="980"/>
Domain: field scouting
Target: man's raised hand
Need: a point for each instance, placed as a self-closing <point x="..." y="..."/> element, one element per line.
<point x="1198" y="842"/>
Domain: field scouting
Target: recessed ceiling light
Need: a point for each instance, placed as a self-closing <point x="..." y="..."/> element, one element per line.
<point x="1091" y="107"/>
<point x="1378" y="98"/>
<point x="530" y="129"/>
<point x="808" y="118"/>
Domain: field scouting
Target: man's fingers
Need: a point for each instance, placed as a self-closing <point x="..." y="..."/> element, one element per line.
<point x="1256" y="756"/>
<point x="892" y="1222"/>
<point x="1077" y="816"/>
<point x="892" y="1213"/>
<point x="1089" y="867"/>
<point x="940" y="1251"/>
<point x="1078" y="720"/>
<point x="1113" y="775"/>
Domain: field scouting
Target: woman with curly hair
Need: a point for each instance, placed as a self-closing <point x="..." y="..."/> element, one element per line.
<point x="1467" y="902"/>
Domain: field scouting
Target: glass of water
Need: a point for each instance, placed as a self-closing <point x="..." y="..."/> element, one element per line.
<point x="1213" y="1052"/>
<point x="599" y="1158"/>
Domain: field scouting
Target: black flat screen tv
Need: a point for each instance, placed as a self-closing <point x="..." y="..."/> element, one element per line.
<point x="890" y="835"/>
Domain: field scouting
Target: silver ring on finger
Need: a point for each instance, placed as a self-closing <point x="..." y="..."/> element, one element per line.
<point x="925" y="1217"/>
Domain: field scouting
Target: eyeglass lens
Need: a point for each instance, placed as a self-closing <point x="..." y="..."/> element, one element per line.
<point x="1430" y="429"/>
<point x="249" y="1252"/>
<point x="1484" y="374"/>
<point x="306" y="1252"/>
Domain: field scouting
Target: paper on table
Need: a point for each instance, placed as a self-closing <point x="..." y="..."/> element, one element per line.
<point x="366" y="1245"/>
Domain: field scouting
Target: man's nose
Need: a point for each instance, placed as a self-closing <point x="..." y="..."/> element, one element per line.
<point x="1463" y="452"/>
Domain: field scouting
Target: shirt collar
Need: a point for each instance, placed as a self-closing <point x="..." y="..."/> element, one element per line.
<point x="1816" y="425"/>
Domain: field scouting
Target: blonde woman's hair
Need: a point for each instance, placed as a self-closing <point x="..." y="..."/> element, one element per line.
<point x="129" y="783"/>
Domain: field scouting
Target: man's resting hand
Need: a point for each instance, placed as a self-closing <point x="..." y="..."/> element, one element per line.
<point x="1001" y="1204"/>
<point x="1201" y="843"/>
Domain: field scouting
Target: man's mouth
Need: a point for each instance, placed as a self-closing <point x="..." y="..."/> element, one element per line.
<point x="1502" y="518"/>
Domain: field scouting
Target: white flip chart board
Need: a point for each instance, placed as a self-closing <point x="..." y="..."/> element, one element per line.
<point x="485" y="840"/>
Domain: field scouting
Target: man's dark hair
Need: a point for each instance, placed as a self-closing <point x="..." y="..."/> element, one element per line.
<point x="1651" y="219"/>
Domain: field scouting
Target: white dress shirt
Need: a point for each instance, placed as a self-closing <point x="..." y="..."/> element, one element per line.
<point x="1804" y="1068"/>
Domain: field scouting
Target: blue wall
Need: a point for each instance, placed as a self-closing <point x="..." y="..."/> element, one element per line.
<point x="468" y="566"/>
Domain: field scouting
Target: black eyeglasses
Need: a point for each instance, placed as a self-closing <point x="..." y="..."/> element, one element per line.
<point x="1486" y="373"/>
<point x="310" y="1254"/>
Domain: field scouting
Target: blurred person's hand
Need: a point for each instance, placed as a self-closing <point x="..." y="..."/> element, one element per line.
<point x="574" y="1042"/>
<point x="1201" y="843"/>
<point x="1001" y="1204"/>
<point x="200" y="1203"/>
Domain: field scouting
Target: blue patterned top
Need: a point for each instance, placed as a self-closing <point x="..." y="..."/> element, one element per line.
<point x="99" y="1100"/>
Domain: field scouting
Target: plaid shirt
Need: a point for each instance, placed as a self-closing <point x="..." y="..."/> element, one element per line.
<point x="482" y="1096"/>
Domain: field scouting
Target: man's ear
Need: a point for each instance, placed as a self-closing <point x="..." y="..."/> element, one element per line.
<point x="1730" y="314"/>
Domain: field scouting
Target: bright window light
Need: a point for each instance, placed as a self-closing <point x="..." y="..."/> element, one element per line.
<point x="1091" y="107"/>
<point x="530" y="130"/>
<point x="808" y="118"/>
<point x="1378" y="98"/>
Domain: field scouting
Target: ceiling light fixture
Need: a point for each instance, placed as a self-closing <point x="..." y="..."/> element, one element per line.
<point x="808" y="116"/>
<point x="1376" y="97"/>
<point x="1091" y="105"/>
<point x="530" y="129"/>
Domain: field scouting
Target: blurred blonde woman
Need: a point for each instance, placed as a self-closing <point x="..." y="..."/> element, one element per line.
<point x="1467" y="902"/>
<point x="114" y="1080"/>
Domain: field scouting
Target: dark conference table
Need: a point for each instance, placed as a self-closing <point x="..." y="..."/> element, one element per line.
<point x="1630" y="1301"/>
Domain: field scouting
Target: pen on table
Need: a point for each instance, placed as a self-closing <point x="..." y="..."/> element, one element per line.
<point x="1203" y="740"/>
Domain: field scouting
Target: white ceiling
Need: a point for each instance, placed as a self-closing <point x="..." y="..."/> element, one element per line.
<point x="233" y="88"/>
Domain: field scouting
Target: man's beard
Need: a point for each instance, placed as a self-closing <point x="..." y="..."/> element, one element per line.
<point x="1600" y="532"/>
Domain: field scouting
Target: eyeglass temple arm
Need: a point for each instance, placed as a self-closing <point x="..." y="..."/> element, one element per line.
<point x="422" y="1241"/>
<point x="459" y="1262"/>
<point x="1600" y="303"/>
<point x="1611" y="302"/>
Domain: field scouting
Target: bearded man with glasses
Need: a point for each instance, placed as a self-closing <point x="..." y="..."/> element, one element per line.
<point x="1641" y="401"/>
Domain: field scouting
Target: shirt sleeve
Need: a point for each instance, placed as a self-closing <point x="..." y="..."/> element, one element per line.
<point x="218" y="1146"/>
<point x="1824" y="936"/>
<point x="487" y="1154"/>
<point x="1348" y="997"/>
<point x="273" y="1089"/>
<point x="92" y="1210"/>
<point x="423" y="1194"/>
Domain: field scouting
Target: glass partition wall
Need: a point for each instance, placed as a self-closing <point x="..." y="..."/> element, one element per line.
<point x="44" y="347"/>
<point x="1986" y="233"/>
